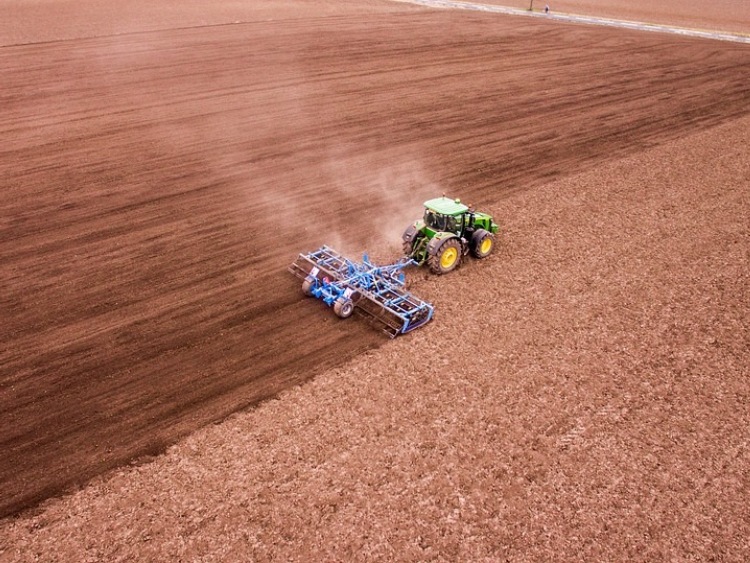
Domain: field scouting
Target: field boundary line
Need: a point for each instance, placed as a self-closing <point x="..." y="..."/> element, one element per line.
<point x="588" y="20"/>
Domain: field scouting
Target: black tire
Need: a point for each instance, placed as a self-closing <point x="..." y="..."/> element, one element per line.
<point x="446" y="258"/>
<point x="482" y="243"/>
<point x="409" y="238"/>
<point x="307" y="286"/>
<point x="343" y="307"/>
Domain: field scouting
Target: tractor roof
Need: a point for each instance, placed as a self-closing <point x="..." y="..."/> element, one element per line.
<point x="446" y="206"/>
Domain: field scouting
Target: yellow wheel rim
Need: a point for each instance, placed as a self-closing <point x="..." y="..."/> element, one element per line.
<point x="449" y="257"/>
<point x="486" y="245"/>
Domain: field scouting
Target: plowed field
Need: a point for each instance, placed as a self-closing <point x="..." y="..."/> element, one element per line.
<point x="157" y="183"/>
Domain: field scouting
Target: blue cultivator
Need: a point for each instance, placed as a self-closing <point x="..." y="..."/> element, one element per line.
<point x="376" y="291"/>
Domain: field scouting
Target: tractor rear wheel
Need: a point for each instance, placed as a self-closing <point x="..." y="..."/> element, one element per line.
<point x="446" y="258"/>
<point x="482" y="243"/>
<point x="343" y="307"/>
<point x="408" y="239"/>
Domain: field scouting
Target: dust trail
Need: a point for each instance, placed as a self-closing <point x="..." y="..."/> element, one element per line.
<point x="358" y="199"/>
<point x="389" y="187"/>
<point x="571" y="18"/>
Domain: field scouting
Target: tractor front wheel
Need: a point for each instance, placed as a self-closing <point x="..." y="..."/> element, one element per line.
<point x="446" y="258"/>
<point x="482" y="243"/>
<point x="343" y="307"/>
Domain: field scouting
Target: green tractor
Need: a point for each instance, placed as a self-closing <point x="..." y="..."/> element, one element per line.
<point x="448" y="231"/>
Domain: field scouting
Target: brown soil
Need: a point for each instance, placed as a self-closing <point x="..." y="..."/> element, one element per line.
<point x="581" y="394"/>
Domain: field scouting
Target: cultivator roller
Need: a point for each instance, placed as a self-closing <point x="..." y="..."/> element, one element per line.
<point x="377" y="292"/>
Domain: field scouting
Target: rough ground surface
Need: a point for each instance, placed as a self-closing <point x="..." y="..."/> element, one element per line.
<point x="157" y="184"/>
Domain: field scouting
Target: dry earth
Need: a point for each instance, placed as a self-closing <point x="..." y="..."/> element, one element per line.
<point x="585" y="389"/>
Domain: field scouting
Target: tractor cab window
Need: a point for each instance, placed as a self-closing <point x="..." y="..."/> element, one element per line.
<point x="435" y="221"/>
<point x="451" y="224"/>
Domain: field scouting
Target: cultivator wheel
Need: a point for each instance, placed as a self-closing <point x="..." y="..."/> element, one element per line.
<point x="307" y="286"/>
<point x="446" y="258"/>
<point x="343" y="307"/>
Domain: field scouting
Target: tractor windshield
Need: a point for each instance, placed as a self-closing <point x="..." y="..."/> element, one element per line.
<point x="435" y="221"/>
<point x="438" y="222"/>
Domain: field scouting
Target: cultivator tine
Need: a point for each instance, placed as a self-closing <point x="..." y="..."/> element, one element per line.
<point x="376" y="292"/>
<point x="381" y="317"/>
<point x="327" y="261"/>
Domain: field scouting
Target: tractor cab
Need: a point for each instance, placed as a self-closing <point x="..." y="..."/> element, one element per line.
<point x="444" y="215"/>
<point x="441" y="223"/>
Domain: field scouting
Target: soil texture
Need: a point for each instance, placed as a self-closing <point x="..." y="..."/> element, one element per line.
<point x="582" y="394"/>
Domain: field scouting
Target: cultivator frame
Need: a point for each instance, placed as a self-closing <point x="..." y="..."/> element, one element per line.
<point x="377" y="292"/>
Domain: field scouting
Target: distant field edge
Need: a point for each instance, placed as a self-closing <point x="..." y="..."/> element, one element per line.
<point x="734" y="37"/>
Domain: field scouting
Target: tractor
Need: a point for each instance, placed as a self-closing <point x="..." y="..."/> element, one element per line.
<point x="448" y="231"/>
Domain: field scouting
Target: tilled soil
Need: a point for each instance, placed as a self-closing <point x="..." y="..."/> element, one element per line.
<point x="160" y="183"/>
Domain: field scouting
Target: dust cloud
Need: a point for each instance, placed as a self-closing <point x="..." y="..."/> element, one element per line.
<point x="387" y="190"/>
<point x="359" y="200"/>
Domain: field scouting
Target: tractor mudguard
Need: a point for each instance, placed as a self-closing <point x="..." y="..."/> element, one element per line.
<point x="438" y="240"/>
<point x="410" y="234"/>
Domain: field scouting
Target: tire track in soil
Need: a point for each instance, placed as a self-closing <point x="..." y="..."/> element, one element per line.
<point x="157" y="185"/>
